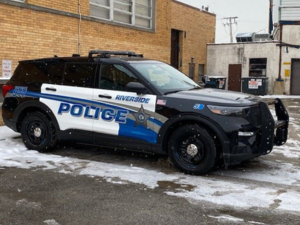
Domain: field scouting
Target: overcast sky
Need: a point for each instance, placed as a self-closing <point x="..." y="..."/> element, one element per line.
<point x="253" y="15"/>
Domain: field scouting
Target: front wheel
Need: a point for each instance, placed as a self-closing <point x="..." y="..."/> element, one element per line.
<point x="38" y="132"/>
<point x="192" y="150"/>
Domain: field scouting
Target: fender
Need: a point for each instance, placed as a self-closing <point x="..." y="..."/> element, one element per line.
<point x="34" y="104"/>
<point x="201" y="119"/>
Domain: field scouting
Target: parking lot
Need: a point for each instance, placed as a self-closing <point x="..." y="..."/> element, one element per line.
<point x="79" y="185"/>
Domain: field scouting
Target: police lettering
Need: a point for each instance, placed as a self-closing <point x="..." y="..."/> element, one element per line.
<point x="91" y="112"/>
<point x="132" y="99"/>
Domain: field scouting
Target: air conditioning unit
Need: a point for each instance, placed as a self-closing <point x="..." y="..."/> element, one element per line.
<point x="262" y="37"/>
<point x="245" y="37"/>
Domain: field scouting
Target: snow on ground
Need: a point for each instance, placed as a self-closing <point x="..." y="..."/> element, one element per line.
<point x="291" y="149"/>
<point x="6" y="132"/>
<point x="280" y="96"/>
<point x="215" y="188"/>
<point x="227" y="218"/>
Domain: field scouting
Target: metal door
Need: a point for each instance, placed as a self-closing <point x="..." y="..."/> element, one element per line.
<point x="295" y="79"/>
<point x="234" y="77"/>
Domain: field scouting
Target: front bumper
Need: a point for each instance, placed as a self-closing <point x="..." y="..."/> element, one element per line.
<point x="270" y="132"/>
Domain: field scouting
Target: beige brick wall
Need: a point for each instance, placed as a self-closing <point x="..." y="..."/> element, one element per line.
<point x="28" y="34"/>
<point x="64" y="5"/>
<point x="200" y="30"/>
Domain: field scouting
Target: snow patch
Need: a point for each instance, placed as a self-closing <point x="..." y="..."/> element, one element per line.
<point x="227" y="218"/>
<point x="253" y="222"/>
<point x="51" y="222"/>
<point x="281" y="96"/>
<point x="27" y="204"/>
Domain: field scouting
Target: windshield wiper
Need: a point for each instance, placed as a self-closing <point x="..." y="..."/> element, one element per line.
<point x="171" y="92"/>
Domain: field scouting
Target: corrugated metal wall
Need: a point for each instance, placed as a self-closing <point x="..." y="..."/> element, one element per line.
<point x="290" y="10"/>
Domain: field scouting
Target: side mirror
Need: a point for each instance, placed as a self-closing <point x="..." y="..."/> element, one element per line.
<point x="136" y="87"/>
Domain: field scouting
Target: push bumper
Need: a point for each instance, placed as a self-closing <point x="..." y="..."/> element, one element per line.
<point x="271" y="132"/>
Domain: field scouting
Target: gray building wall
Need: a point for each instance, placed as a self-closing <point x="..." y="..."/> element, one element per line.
<point x="219" y="56"/>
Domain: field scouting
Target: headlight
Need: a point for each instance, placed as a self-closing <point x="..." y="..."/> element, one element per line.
<point x="228" y="111"/>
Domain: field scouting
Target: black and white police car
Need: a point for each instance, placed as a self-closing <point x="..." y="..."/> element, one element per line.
<point x="119" y="99"/>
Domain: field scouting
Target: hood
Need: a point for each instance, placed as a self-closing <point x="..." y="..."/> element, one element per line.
<point x="217" y="97"/>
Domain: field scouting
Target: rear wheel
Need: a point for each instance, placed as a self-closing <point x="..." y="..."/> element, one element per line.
<point x="192" y="150"/>
<point x="38" y="132"/>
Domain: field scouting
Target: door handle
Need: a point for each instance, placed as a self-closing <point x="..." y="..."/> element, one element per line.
<point x="50" y="89"/>
<point x="105" y="96"/>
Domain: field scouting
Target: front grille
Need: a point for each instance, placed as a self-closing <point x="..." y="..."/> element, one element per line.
<point x="253" y="115"/>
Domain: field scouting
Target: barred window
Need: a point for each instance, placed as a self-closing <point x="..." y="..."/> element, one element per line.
<point x="138" y="13"/>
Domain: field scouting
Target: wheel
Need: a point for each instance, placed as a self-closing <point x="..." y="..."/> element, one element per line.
<point x="38" y="132"/>
<point x="192" y="150"/>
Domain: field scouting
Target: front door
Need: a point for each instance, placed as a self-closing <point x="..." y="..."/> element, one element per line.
<point x="119" y="112"/>
<point x="295" y="79"/>
<point x="234" y="77"/>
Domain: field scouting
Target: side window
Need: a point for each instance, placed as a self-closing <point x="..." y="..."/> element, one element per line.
<point x="36" y="73"/>
<point x="115" y="77"/>
<point x="79" y="74"/>
<point x="55" y="72"/>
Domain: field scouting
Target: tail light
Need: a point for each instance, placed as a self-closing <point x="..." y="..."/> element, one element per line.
<point x="6" y="88"/>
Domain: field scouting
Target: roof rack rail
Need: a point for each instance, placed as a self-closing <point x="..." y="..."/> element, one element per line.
<point x="107" y="54"/>
<point x="76" y="55"/>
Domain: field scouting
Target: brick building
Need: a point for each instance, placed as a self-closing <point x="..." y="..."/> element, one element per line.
<point x="42" y="28"/>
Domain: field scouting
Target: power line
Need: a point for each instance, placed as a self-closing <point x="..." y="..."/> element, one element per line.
<point x="229" y="21"/>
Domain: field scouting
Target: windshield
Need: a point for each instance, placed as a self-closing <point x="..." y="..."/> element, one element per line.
<point x="165" y="78"/>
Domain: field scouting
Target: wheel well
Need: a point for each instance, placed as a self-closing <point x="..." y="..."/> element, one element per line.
<point x="176" y="125"/>
<point x="25" y="112"/>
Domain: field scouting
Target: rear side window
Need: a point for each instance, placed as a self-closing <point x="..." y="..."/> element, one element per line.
<point x="34" y="74"/>
<point x="55" y="72"/>
<point x="79" y="74"/>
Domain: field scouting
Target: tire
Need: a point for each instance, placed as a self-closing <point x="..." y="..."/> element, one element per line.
<point x="192" y="150"/>
<point x="38" y="132"/>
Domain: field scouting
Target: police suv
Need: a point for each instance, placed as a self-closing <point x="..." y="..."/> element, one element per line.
<point x="119" y="99"/>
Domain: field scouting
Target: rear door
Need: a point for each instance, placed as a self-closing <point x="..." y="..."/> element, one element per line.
<point x="121" y="113"/>
<point x="71" y="102"/>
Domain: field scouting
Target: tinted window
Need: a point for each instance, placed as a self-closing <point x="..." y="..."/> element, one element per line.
<point x="55" y="72"/>
<point x="34" y="74"/>
<point x="115" y="77"/>
<point x="79" y="74"/>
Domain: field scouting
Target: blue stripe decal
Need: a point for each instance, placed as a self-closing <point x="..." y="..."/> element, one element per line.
<point x="139" y="132"/>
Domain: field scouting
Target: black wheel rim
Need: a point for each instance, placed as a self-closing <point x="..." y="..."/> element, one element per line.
<point x="190" y="151"/>
<point x="36" y="132"/>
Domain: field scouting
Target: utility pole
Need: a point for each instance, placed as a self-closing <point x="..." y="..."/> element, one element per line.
<point x="229" y="22"/>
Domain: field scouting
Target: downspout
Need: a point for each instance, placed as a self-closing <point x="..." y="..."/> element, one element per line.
<point x="79" y="28"/>
<point x="271" y="17"/>
<point x="280" y="53"/>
